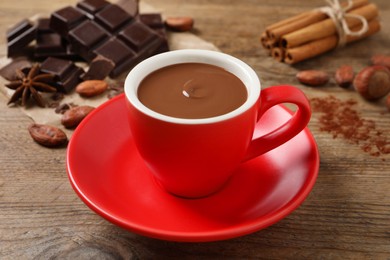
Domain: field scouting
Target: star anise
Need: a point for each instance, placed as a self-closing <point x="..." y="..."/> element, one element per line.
<point x="29" y="84"/>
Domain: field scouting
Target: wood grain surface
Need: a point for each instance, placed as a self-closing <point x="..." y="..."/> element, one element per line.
<point x="346" y="216"/>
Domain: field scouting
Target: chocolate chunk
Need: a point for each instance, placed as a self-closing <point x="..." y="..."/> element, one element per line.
<point x="63" y="20"/>
<point x="99" y="69"/>
<point x="92" y="6"/>
<point x="9" y="71"/>
<point x="112" y="17"/>
<point x="85" y="37"/>
<point x="19" y="36"/>
<point x="50" y="43"/>
<point x="66" y="72"/>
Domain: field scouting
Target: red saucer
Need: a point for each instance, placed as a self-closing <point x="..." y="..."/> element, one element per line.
<point x="108" y="174"/>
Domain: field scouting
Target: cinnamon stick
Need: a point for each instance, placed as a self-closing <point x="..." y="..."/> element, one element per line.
<point x="314" y="48"/>
<point x="278" y="54"/>
<point x="276" y="31"/>
<point x="309" y="18"/>
<point x="327" y="27"/>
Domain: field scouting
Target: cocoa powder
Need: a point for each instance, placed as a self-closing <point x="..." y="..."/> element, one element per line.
<point x="342" y="120"/>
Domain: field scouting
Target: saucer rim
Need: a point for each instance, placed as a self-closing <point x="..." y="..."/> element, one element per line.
<point x="233" y="231"/>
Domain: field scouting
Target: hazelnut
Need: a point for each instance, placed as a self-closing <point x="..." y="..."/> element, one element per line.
<point x="344" y="76"/>
<point x="313" y="77"/>
<point x="373" y="82"/>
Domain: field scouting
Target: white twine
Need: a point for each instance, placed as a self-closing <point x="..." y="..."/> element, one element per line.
<point x="338" y="14"/>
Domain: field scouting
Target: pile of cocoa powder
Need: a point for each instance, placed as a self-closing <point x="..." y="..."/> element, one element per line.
<point x="342" y="120"/>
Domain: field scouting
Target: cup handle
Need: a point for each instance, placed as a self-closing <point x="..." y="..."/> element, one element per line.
<point x="270" y="97"/>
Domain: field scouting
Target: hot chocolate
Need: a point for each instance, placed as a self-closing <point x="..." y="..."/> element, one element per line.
<point x="192" y="90"/>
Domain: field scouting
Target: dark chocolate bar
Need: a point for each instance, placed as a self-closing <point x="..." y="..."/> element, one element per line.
<point x="67" y="74"/>
<point x="116" y="35"/>
<point x="19" y="36"/>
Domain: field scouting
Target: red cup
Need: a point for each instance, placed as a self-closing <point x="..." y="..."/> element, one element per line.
<point x="194" y="158"/>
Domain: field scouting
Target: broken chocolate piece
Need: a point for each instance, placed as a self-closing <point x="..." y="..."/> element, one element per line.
<point x="66" y="72"/>
<point x="9" y="71"/>
<point x="19" y="36"/>
<point x="99" y="69"/>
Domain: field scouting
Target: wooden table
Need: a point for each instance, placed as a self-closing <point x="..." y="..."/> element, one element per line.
<point x="346" y="216"/>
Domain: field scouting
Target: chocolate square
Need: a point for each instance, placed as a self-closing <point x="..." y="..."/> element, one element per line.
<point x="122" y="56"/>
<point x="137" y="35"/>
<point x="66" y="72"/>
<point x="65" y="19"/>
<point x="85" y="37"/>
<point x="49" y="43"/>
<point x="59" y="67"/>
<point x="43" y="26"/>
<point x="115" y="51"/>
<point x="153" y="20"/>
<point x="71" y="81"/>
<point x="19" y="36"/>
<point x="112" y="17"/>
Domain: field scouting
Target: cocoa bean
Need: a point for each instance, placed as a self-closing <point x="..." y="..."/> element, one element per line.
<point x="91" y="88"/>
<point x="181" y="24"/>
<point x="344" y="76"/>
<point x="73" y="117"/>
<point x="46" y="135"/>
<point x="313" y="77"/>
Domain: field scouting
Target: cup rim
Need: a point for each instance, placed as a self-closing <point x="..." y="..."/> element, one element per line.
<point x="246" y="74"/>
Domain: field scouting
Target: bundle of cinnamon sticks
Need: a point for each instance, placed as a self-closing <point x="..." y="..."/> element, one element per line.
<point x="312" y="33"/>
